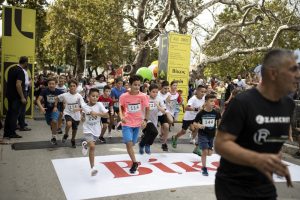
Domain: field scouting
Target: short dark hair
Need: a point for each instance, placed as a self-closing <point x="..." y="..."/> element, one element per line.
<point x="52" y="79"/>
<point x="118" y="80"/>
<point x="106" y="88"/>
<point x="164" y="83"/>
<point x="23" y="60"/>
<point x="209" y="96"/>
<point x="173" y="82"/>
<point x="201" y="86"/>
<point x="152" y="87"/>
<point x="73" y="81"/>
<point x="93" y="90"/>
<point x="100" y="76"/>
<point x="135" y="78"/>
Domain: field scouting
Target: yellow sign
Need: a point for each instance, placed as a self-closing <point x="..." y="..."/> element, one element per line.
<point x="18" y="39"/>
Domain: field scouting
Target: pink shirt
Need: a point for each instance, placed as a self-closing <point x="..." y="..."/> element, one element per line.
<point x="133" y="108"/>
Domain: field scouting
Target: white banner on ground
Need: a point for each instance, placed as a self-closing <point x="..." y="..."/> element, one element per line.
<point x="156" y="172"/>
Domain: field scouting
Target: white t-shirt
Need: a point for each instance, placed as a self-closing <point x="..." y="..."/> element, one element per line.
<point x="153" y="115"/>
<point x="100" y="86"/>
<point x="72" y="101"/>
<point x="27" y="82"/>
<point x="241" y="83"/>
<point x="199" y="82"/>
<point x="92" y="124"/>
<point x="194" y="102"/>
<point x="171" y="105"/>
<point x="163" y="98"/>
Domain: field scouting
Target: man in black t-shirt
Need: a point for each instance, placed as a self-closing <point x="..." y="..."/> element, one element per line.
<point x="229" y="88"/>
<point x="253" y="130"/>
<point x="15" y="96"/>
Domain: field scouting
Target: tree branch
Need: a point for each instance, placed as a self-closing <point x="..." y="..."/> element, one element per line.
<point x="140" y="16"/>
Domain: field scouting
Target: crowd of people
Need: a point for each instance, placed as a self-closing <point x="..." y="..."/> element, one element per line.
<point x="237" y="108"/>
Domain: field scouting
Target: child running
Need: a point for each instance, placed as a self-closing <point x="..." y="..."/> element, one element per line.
<point x="50" y="110"/>
<point x="206" y="121"/>
<point x="91" y="126"/>
<point x="150" y="132"/>
<point x="133" y="106"/>
<point x="73" y="103"/>
<point x="107" y="101"/>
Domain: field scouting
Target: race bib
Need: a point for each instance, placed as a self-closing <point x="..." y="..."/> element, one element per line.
<point x="208" y="122"/>
<point x="116" y="104"/>
<point x="173" y="103"/>
<point x="152" y="105"/>
<point x="106" y="104"/>
<point x="51" y="99"/>
<point x="133" y="108"/>
<point x="71" y="107"/>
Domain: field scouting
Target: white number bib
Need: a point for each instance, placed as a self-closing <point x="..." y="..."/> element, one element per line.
<point x="106" y="104"/>
<point x="133" y="108"/>
<point x="208" y="122"/>
<point x="152" y="105"/>
<point x="72" y="106"/>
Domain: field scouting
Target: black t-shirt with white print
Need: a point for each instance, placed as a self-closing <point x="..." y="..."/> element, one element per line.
<point x="208" y="119"/>
<point x="260" y="125"/>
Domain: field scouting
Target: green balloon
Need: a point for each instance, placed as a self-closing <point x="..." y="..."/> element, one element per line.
<point x="145" y="73"/>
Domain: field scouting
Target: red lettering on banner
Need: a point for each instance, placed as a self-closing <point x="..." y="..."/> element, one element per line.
<point x="186" y="167"/>
<point x="216" y="164"/>
<point x="119" y="172"/>
<point x="163" y="168"/>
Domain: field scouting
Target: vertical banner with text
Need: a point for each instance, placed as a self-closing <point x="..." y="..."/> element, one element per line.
<point x="18" y="39"/>
<point x="174" y="61"/>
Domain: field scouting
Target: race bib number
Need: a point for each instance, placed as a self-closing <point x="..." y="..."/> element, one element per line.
<point x="208" y="122"/>
<point x="152" y="105"/>
<point x="71" y="107"/>
<point x="50" y="99"/>
<point x="116" y="104"/>
<point x="133" y="108"/>
<point x="106" y="104"/>
<point x="92" y="121"/>
<point x="173" y="103"/>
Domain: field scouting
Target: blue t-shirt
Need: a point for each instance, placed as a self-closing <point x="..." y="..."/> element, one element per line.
<point x="49" y="98"/>
<point x="116" y="93"/>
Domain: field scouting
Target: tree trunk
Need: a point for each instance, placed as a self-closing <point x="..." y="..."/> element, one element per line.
<point x="140" y="59"/>
<point x="79" y="57"/>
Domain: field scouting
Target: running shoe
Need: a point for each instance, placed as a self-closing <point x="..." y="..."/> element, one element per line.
<point x="147" y="149"/>
<point x="53" y="141"/>
<point x="174" y="142"/>
<point x="94" y="172"/>
<point x="134" y="167"/>
<point x="141" y="149"/>
<point x="102" y="140"/>
<point x="84" y="148"/>
<point x="64" y="139"/>
<point x="109" y="135"/>
<point x="193" y="141"/>
<point x="73" y="143"/>
<point x="197" y="151"/>
<point x="164" y="147"/>
<point x="204" y="171"/>
<point x="59" y="131"/>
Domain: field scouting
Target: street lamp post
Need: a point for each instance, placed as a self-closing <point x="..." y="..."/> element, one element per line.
<point x="85" y="52"/>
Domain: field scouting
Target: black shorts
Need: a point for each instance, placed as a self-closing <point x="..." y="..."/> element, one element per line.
<point x="74" y="123"/>
<point x="104" y="120"/>
<point x="163" y="119"/>
<point x="186" y="124"/>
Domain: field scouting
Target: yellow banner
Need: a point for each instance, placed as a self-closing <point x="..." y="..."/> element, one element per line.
<point x="18" y="39"/>
<point x="179" y="53"/>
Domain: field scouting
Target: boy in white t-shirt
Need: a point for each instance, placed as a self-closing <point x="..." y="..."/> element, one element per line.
<point x="194" y="105"/>
<point x="92" y="126"/>
<point x="73" y="105"/>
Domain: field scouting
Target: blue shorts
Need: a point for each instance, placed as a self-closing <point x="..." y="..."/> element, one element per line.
<point x="130" y="134"/>
<point x="205" y="142"/>
<point x="51" y="116"/>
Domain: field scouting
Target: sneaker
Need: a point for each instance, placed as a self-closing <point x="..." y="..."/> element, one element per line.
<point x="109" y="135"/>
<point x="147" y="149"/>
<point x="94" y="172"/>
<point x="141" y="149"/>
<point x="102" y="140"/>
<point x="64" y="139"/>
<point x="193" y="141"/>
<point x="197" y="151"/>
<point x="204" y="171"/>
<point x="164" y="147"/>
<point x="53" y="141"/>
<point x="84" y="148"/>
<point x="59" y="131"/>
<point x="134" y="167"/>
<point x="174" y="142"/>
<point x="73" y="143"/>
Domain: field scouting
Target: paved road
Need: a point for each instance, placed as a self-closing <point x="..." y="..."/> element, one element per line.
<point x="29" y="174"/>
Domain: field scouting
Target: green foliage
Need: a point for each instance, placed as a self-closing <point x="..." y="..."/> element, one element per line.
<point x="258" y="35"/>
<point x="97" y="22"/>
